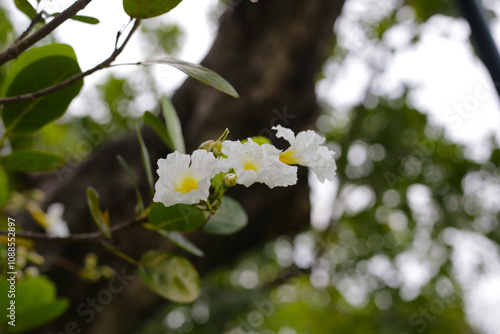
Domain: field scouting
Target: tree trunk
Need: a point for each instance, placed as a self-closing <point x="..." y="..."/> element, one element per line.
<point x="271" y="52"/>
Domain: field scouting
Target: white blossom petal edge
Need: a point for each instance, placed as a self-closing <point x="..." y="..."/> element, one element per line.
<point x="56" y="225"/>
<point x="185" y="179"/>
<point x="258" y="163"/>
<point x="306" y="149"/>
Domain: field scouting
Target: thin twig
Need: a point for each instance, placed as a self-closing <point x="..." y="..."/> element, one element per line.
<point x="34" y="21"/>
<point x="22" y="45"/>
<point x="92" y="237"/>
<point x="73" y="79"/>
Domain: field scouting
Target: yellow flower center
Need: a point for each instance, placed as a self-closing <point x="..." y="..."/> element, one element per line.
<point x="249" y="164"/>
<point x="288" y="158"/>
<point x="187" y="184"/>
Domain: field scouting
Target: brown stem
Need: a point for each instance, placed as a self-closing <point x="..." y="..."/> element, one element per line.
<point x="34" y="21"/>
<point x="92" y="237"/>
<point x="22" y="45"/>
<point x="75" y="78"/>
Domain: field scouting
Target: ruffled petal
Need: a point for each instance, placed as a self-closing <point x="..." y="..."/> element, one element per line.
<point x="307" y="149"/>
<point x="199" y="168"/>
<point x="284" y="133"/>
<point x="258" y="163"/>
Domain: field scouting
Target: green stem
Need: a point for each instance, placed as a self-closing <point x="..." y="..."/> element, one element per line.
<point x="124" y="256"/>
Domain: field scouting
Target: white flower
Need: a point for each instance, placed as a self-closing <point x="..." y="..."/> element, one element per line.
<point x="56" y="226"/>
<point x="306" y="149"/>
<point x="185" y="179"/>
<point x="258" y="163"/>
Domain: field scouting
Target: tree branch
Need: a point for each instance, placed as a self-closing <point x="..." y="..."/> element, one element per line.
<point x="75" y="78"/>
<point x="37" y="18"/>
<point x="474" y="13"/>
<point x="92" y="237"/>
<point x="20" y="46"/>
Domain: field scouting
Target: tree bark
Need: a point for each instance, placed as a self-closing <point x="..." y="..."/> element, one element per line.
<point x="271" y="52"/>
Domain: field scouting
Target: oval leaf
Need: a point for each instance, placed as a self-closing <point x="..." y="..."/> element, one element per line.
<point x="181" y="242"/>
<point x="174" y="128"/>
<point x="85" y="19"/>
<point x="36" y="304"/>
<point x="261" y="140"/>
<point x="25" y="7"/>
<point x="32" y="161"/>
<point x="95" y="210"/>
<point x="179" y="217"/>
<point x="126" y="168"/>
<point x="229" y="218"/>
<point x="4" y="187"/>
<point x="36" y="69"/>
<point x="144" y="9"/>
<point x="170" y="276"/>
<point x="146" y="162"/>
<point x="153" y="121"/>
<point x="199" y="73"/>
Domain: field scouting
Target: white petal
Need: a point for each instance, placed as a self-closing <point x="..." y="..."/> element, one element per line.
<point x="57" y="226"/>
<point x="307" y="150"/>
<point x="265" y="158"/>
<point x="202" y="166"/>
<point x="284" y="133"/>
<point x="324" y="165"/>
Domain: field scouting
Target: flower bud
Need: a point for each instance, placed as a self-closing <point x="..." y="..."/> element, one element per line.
<point x="217" y="148"/>
<point x="207" y="145"/>
<point x="230" y="180"/>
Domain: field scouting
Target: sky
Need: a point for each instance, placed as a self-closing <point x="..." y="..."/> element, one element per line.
<point x="451" y="86"/>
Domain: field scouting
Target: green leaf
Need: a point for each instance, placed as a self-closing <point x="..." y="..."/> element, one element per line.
<point x="144" y="9"/>
<point x="181" y="242"/>
<point x="21" y="143"/>
<point x="80" y="18"/>
<point x="228" y="219"/>
<point x="174" y="128"/>
<point x="4" y="187"/>
<point x="39" y="315"/>
<point x="258" y="140"/>
<point x="199" y="73"/>
<point x="85" y="19"/>
<point x="4" y="301"/>
<point x="31" y="161"/>
<point x="170" y="276"/>
<point x="36" y="69"/>
<point x="179" y="217"/>
<point x="34" y="291"/>
<point x="160" y="129"/>
<point x="25" y="7"/>
<point x="95" y="210"/>
<point x="130" y="175"/>
<point x="36" y="304"/>
<point x="146" y="162"/>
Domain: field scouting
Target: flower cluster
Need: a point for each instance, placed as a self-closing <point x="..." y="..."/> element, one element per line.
<point x="187" y="179"/>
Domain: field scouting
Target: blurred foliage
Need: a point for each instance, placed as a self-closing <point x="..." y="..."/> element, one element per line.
<point x="402" y="187"/>
<point x="161" y="39"/>
<point x="384" y="263"/>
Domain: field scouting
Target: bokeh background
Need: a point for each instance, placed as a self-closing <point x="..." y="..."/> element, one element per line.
<point x="406" y="240"/>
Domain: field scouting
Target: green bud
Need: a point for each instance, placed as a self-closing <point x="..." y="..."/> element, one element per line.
<point x="217" y="148"/>
<point x="230" y="180"/>
<point x="207" y="145"/>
